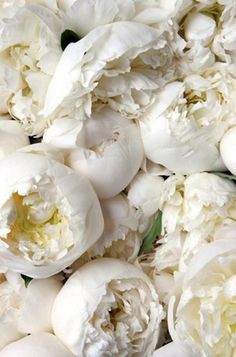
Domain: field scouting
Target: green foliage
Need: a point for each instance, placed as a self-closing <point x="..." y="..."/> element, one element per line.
<point x="27" y="279"/>
<point x="225" y="175"/>
<point x="152" y="235"/>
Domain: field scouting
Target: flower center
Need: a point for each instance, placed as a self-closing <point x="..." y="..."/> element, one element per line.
<point x="32" y="217"/>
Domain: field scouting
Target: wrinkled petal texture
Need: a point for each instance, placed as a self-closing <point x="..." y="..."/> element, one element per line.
<point x="108" y="306"/>
<point x="50" y="215"/>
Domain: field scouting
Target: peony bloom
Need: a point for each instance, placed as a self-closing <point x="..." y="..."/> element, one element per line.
<point x="227" y="149"/>
<point x="183" y="128"/>
<point x="24" y="309"/>
<point x="12" y="137"/>
<point x="49" y="215"/>
<point x="127" y="219"/>
<point x="194" y="209"/>
<point x="208" y="27"/>
<point x="126" y="73"/>
<point x="107" y="149"/>
<point x="29" y="52"/>
<point x="122" y="64"/>
<point x="37" y="345"/>
<point x="121" y="237"/>
<point x="108" y="307"/>
<point x="204" y="318"/>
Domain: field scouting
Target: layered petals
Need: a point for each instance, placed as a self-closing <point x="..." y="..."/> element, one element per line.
<point x="115" y="63"/>
<point x="204" y="317"/>
<point x="50" y="215"/>
<point x="183" y="129"/>
<point x="194" y="210"/>
<point x="108" y="307"/>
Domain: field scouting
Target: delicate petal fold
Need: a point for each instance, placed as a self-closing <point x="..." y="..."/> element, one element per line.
<point x="121" y="237"/>
<point x="107" y="149"/>
<point x="106" y="52"/>
<point x="144" y="193"/>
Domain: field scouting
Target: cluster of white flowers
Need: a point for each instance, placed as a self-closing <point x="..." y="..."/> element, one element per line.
<point x="117" y="186"/>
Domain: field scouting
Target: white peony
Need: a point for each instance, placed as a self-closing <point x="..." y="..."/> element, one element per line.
<point x="122" y="64"/>
<point x="24" y="309"/>
<point x="12" y="137"/>
<point x="106" y="148"/>
<point x="194" y="209"/>
<point x="203" y="320"/>
<point x="122" y="236"/>
<point x="108" y="307"/>
<point x="29" y="52"/>
<point x="183" y="128"/>
<point x="49" y="215"/>
<point x="123" y="56"/>
<point x="127" y="219"/>
<point x="37" y="345"/>
<point x="208" y="27"/>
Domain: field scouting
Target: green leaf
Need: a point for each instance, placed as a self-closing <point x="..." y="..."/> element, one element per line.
<point x="226" y="175"/>
<point x="152" y="235"/>
<point x="67" y="37"/>
<point x="27" y="279"/>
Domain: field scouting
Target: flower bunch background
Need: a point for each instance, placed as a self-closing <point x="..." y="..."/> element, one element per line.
<point x="117" y="186"/>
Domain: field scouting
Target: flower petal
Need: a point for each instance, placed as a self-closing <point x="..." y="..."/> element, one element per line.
<point x="37" y="345"/>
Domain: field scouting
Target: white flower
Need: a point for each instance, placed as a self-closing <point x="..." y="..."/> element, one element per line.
<point x="122" y="64"/>
<point x="108" y="307"/>
<point x="183" y="129"/>
<point x="109" y="149"/>
<point x="12" y="137"/>
<point x="209" y="29"/>
<point x="127" y="219"/>
<point x="204" y="319"/>
<point x="121" y="237"/>
<point x="227" y="149"/>
<point x="194" y="209"/>
<point x="37" y="345"/>
<point x="124" y="73"/>
<point x="49" y="215"/>
<point x="24" y="309"/>
<point x="29" y="52"/>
